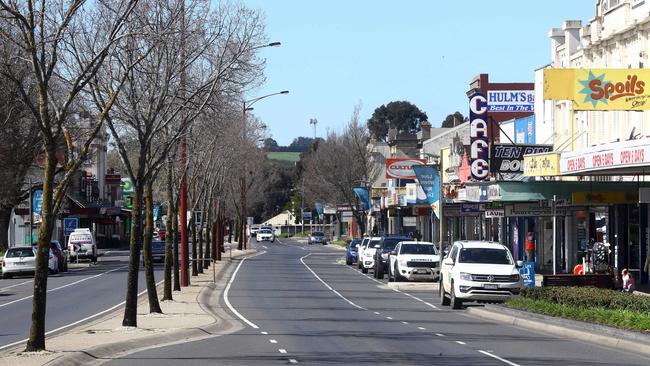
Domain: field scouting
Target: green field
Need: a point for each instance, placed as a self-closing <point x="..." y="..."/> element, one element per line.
<point x="288" y="157"/>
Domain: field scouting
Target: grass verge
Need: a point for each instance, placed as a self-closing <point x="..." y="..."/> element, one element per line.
<point x="341" y="243"/>
<point x="624" y="319"/>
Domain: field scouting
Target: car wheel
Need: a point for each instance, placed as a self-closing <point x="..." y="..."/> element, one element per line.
<point x="398" y="276"/>
<point x="456" y="303"/>
<point x="444" y="300"/>
<point x="380" y="271"/>
<point x="364" y="270"/>
<point x="348" y="261"/>
<point x="359" y="264"/>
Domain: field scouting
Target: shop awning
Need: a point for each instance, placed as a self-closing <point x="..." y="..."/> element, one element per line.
<point x="540" y="190"/>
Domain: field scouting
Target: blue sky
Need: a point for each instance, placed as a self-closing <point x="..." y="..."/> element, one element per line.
<point x="336" y="54"/>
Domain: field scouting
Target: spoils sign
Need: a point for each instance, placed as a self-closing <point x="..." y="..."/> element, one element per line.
<point x="478" y="134"/>
<point x="402" y="168"/>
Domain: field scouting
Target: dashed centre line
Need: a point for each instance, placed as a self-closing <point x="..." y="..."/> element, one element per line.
<point x="460" y="342"/>
<point x="440" y="335"/>
<point x="389" y="318"/>
<point x="273" y="341"/>
<point x="282" y="350"/>
<point x="291" y="360"/>
<point x="422" y="328"/>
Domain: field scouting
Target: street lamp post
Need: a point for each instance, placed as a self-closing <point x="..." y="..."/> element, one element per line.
<point x="248" y="106"/>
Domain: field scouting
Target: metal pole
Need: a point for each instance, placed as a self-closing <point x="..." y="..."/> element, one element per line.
<point x="554" y="238"/>
<point x="302" y="207"/>
<point x="31" y="212"/>
<point x="183" y="167"/>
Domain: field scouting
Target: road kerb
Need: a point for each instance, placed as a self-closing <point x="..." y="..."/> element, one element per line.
<point x="617" y="343"/>
<point x="203" y="296"/>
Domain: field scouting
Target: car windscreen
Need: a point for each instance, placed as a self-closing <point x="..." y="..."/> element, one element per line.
<point x="372" y="243"/>
<point x="317" y="233"/>
<point x="391" y="243"/>
<point x="20" y="252"/>
<point x="484" y="256"/>
<point x="353" y="244"/>
<point x="418" y="249"/>
<point x="157" y="245"/>
<point x="264" y="231"/>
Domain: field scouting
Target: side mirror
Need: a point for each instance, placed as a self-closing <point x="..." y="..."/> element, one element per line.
<point x="448" y="262"/>
<point x="393" y="252"/>
<point x="520" y="264"/>
<point x="357" y="246"/>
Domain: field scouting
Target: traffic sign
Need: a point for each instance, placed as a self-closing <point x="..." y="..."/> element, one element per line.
<point x="69" y="225"/>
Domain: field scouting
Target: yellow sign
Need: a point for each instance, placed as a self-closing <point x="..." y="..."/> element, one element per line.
<point x="542" y="165"/>
<point x="597" y="198"/>
<point x="599" y="89"/>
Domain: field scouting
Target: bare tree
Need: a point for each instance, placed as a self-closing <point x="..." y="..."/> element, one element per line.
<point x="46" y="36"/>
<point x="339" y="164"/>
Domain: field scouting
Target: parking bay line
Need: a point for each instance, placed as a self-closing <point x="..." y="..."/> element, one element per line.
<point x="15" y="285"/>
<point x="64" y="286"/>
<point x="225" y="293"/>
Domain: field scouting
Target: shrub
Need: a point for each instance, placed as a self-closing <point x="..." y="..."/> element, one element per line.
<point x="589" y="297"/>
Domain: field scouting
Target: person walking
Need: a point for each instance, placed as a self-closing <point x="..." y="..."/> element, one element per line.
<point x="628" y="281"/>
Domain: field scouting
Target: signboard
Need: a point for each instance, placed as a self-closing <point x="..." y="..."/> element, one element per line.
<point x="532" y="209"/>
<point x="599" y="198"/>
<point x="542" y="165"/>
<point x="415" y="194"/>
<point x="429" y="180"/>
<point x="364" y="198"/>
<point x="511" y="100"/>
<point x="37" y="205"/>
<point x="478" y="135"/>
<point x="306" y="215"/>
<point x="633" y="153"/>
<point x="451" y="211"/>
<point x="69" y="225"/>
<point x="402" y="168"/>
<point x="494" y="213"/>
<point x="525" y="130"/>
<point x="507" y="158"/>
<point x="476" y="193"/>
<point x="527" y="273"/>
<point x="599" y="89"/>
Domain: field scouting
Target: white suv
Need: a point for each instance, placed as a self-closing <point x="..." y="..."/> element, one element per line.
<point x="414" y="260"/>
<point x="478" y="271"/>
<point x="367" y="254"/>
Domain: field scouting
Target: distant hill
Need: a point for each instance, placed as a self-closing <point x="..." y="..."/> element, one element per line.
<point x="299" y="144"/>
<point x="284" y="157"/>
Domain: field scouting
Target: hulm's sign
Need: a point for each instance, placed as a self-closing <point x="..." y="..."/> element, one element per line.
<point x="511" y="100"/>
<point x="478" y="135"/>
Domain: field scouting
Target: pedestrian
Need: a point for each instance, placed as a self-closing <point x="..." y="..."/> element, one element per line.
<point x="628" y="281"/>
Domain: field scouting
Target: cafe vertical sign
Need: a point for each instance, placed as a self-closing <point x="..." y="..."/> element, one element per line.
<point x="478" y="133"/>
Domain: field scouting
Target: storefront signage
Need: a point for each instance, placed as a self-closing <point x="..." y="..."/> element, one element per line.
<point x="511" y="100"/>
<point x="532" y="209"/>
<point x="620" y="156"/>
<point x="429" y="180"/>
<point x="599" y="198"/>
<point x="477" y="193"/>
<point x="402" y="168"/>
<point x="494" y="213"/>
<point x="542" y="165"/>
<point x="599" y="89"/>
<point x="508" y="158"/>
<point x="478" y="134"/>
<point x="451" y="211"/>
<point x="494" y="192"/>
<point x="415" y="194"/>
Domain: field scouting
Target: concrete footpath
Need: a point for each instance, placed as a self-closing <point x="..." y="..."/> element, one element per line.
<point x="194" y="314"/>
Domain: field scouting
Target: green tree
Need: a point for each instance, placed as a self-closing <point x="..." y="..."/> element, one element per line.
<point x="401" y="115"/>
<point x="453" y="120"/>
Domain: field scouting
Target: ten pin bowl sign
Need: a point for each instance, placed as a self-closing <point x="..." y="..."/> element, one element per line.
<point x="402" y="168"/>
<point x="599" y="89"/>
<point x="478" y="137"/>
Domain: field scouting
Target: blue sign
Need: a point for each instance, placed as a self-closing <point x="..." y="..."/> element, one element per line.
<point x="319" y="208"/>
<point x="306" y="215"/>
<point x="525" y="130"/>
<point x="429" y="180"/>
<point x="156" y="212"/>
<point x="69" y="225"/>
<point x="37" y="201"/>
<point x="527" y="273"/>
<point x="362" y="193"/>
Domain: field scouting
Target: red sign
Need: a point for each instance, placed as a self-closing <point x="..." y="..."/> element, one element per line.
<point x="618" y="156"/>
<point x="402" y="168"/>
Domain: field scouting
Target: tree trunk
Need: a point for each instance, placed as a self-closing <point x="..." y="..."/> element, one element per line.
<point x="36" y="341"/>
<point x="206" y="254"/>
<point x="152" y="292"/>
<point x="131" y="304"/>
<point x="169" y="238"/>
<point x="199" y="265"/>
<point x="177" y="269"/>
<point x="195" y="270"/>
<point x="5" y="217"/>
<point x="240" y="239"/>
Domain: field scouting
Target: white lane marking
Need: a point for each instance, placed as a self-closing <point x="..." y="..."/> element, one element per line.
<point x="499" y="358"/>
<point x="377" y="313"/>
<point x="273" y="341"/>
<point x="460" y="342"/>
<point x="440" y="335"/>
<point x="78" y="321"/>
<point x="328" y="286"/>
<point x="282" y="350"/>
<point x="12" y="286"/>
<point x="225" y="295"/>
<point x="265" y="247"/>
<point x="389" y="318"/>
<point x="291" y="360"/>
<point x="265" y="333"/>
<point x="64" y="286"/>
<point x="405" y="322"/>
<point x="422" y="328"/>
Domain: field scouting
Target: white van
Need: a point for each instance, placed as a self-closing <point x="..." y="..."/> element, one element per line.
<point x="81" y="244"/>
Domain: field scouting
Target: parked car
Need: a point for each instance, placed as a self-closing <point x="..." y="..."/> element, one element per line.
<point x="253" y="230"/>
<point x="414" y="260"/>
<point x="61" y="255"/>
<point x="22" y="261"/>
<point x="317" y="237"/>
<point x="478" y="271"/>
<point x="265" y="235"/>
<point x="157" y="250"/>
<point x="367" y="258"/>
<point x="386" y="245"/>
<point x="81" y="244"/>
<point x="351" y="253"/>
<point x="362" y="246"/>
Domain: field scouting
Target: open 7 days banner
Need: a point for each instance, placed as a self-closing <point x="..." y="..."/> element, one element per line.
<point x="599" y="89"/>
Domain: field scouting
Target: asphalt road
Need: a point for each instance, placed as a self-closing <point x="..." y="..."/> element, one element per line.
<point x="301" y="305"/>
<point x="73" y="297"/>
